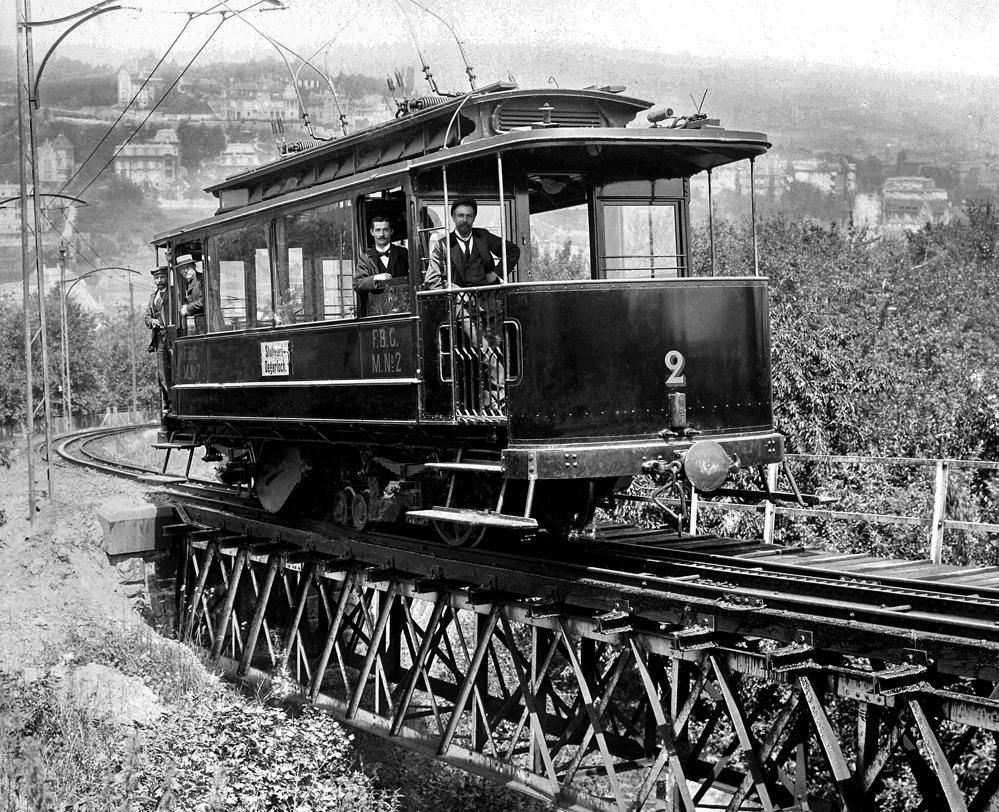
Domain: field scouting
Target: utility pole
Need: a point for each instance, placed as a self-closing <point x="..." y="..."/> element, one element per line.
<point x="67" y="407"/>
<point x="22" y="140"/>
<point x="131" y="335"/>
<point x="39" y="267"/>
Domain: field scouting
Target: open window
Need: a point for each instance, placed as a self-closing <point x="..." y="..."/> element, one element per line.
<point x="560" y="228"/>
<point x="315" y="265"/>
<point x="177" y="285"/>
<point x="435" y="222"/>
<point x="382" y="216"/>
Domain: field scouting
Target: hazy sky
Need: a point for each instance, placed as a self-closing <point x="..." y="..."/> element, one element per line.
<point x="955" y="36"/>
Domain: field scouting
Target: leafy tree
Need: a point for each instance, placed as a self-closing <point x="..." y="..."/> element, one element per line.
<point x="12" y="366"/>
<point x="199" y="143"/>
<point x="558" y="264"/>
<point x="121" y="216"/>
<point x="100" y="356"/>
<point x="870" y="174"/>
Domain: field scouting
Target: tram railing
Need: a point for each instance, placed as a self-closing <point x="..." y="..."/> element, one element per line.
<point x="935" y="520"/>
<point x="478" y="353"/>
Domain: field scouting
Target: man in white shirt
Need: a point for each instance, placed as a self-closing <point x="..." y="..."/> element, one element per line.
<point x="472" y="251"/>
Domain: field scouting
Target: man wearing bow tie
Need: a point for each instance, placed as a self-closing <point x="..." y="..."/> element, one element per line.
<point x="382" y="263"/>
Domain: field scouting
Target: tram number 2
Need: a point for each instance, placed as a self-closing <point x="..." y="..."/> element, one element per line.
<point x="385" y="357"/>
<point x="675" y="364"/>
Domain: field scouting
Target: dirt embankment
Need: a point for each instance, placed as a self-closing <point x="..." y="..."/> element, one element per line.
<point x="54" y="575"/>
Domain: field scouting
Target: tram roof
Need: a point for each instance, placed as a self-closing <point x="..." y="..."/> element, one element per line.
<point x="488" y="111"/>
<point x="381" y="150"/>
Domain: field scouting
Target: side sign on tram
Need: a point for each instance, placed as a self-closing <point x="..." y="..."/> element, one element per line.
<point x="275" y="358"/>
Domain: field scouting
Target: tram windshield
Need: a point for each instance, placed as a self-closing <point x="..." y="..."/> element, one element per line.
<point x="636" y="226"/>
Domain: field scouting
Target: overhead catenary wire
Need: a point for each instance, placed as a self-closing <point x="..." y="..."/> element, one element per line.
<point x="281" y="48"/>
<point x="128" y="106"/>
<point x="156" y="106"/>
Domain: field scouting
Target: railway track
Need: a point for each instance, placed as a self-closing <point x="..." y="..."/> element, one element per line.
<point x="425" y="645"/>
<point x="692" y="587"/>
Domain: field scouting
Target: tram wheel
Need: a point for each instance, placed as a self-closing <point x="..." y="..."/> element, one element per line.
<point x="359" y="510"/>
<point x="459" y="535"/>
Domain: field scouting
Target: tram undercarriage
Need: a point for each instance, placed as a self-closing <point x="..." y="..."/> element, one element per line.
<point x="469" y="492"/>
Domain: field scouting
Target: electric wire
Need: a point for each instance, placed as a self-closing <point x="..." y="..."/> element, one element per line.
<point x="97" y="254"/>
<point x="280" y="47"/>
<point x="128" y="106"/>
<point x="155" y="107"/>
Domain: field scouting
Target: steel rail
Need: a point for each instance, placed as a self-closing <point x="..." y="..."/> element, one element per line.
<point x="651" y="585"/>
<point x="655" y="604"/>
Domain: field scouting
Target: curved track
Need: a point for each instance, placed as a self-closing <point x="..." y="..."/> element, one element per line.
<point x="639" y="575"/>
<point x="698" y="628"/>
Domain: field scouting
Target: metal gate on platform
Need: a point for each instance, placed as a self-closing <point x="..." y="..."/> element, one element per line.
<point x="595" y="711"/>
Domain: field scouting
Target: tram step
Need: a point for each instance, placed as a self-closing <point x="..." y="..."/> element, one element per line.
<point x="479" y="518"/>
<point x="161" y="479"/>
<point x="471" y="466"/>
<point x="174" y="446"/>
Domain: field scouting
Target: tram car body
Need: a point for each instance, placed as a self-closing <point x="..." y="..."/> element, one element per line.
<point x="518" y="405"/>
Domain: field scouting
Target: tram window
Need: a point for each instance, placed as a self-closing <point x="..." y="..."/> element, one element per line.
<point x="560" y="245"/>
<point x="240" y="265"/>
<point x="394" y="295"/>
<point x="316" y="264"/>
<point x="640" y="240"/>
<point x="560" y="228"/>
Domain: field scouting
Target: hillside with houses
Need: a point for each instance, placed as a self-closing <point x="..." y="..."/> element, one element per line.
<point x="139" y="146"/>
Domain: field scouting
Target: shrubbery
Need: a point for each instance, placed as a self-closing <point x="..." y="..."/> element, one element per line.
<point x="214" y="749"/>
<point x="885" y="349"/>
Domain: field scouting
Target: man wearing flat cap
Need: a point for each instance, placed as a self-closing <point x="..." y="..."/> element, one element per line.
<point x="194" y="291"/>
<point x="156" y="321"/>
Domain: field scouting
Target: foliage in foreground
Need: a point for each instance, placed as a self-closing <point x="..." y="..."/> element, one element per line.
<point x="214" y="749"/>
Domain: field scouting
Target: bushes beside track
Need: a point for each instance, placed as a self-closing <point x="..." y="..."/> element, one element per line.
<point x="885" y="349"/>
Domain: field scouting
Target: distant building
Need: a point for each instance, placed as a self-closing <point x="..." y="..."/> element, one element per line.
<point x="909" y="203"/>
<point x="360" y="112"/>
<point x="832" y="176"/>
<point x="238" y="156"/>
<point x="154" y="163"/>
<point x="129" y="82"/>
<point x="56" y="159"/>
<point x="247" y="102"/>
<point x="10" y="214"/>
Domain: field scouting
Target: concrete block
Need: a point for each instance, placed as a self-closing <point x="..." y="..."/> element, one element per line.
<point x="134" y="528"/>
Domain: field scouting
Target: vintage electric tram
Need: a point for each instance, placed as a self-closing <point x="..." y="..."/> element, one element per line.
<point x="520" y="405"/>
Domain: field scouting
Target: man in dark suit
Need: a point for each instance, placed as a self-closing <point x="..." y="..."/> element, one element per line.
<point x="472" y="252"/>
<point x="155" y="320"/>
<point x="385" y="261"/>
<point x="194" y="291"/>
